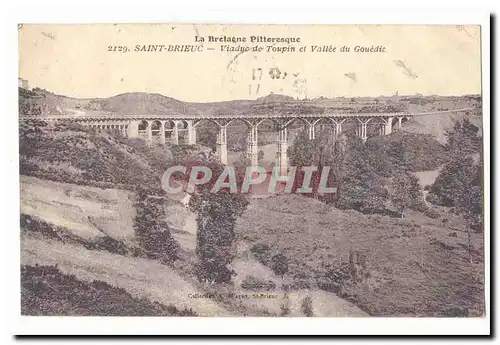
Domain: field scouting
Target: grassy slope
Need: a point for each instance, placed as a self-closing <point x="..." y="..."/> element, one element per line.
<point x="86" y="212"/>
<point x="437" y="126"/>
<point x="46" y="291"/>
<point x="86" y="231"/>
<point x="415" y="267"/>
<point x="74" y="154"/>
<point x="142" y="278"/>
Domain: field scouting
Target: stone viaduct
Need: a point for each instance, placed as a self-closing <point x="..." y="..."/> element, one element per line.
<point x="163" y="128"/>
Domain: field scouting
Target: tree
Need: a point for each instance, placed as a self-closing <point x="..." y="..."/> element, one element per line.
<point x="216" y="217"/>
<point x="460" y="185"/>
<point x="260" y="157"/>
<point x="319" y="152"/>
<point x="207" y="134"/>
<point x="463" y="139"/>
<point x="151" y="230"/>
<point x="454" y="181"/>
<point x="471" y="204"/>
<point x="403" y="150"/>
<point x="302" y="152"/>
<point x="406" y="192"/>
<point x="359" y="187"/>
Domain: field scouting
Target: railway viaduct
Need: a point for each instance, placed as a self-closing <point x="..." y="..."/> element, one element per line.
<point x="162" y="128"/>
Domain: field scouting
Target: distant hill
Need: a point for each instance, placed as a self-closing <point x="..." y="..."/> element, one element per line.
<point x="274" y="97"/>
<point x="140" y="103"/>
<point x="42" y="102"/>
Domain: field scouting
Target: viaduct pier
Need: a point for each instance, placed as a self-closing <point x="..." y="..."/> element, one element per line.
<point x="156" y="128"/>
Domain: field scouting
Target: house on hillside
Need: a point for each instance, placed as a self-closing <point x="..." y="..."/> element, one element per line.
<point x="23" y="83"/>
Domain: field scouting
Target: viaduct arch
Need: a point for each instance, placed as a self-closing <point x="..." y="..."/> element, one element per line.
<point x="162" y="128"/>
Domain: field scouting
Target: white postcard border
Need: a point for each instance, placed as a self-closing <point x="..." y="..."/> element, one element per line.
<point x="38" y="13"/>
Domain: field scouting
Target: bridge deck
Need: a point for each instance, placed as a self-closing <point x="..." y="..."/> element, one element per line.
<point x="233" y="116"/>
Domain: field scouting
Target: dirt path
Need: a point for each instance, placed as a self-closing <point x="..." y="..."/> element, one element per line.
<point x="325" y="304"/>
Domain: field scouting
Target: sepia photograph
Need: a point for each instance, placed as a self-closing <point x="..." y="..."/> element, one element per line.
<point x="251" y="170"/>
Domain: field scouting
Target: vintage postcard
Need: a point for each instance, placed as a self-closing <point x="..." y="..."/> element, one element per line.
<point x="279" y="171"/>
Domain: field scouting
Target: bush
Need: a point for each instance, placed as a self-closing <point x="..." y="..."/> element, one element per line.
<point x="433" y="199"/>
<point x="429" y="212"/>
<point x="180" y="152"/>
<point x="255" y="284"/>
<point x="335" y="278"/>
<point x="285" y="305"/>
<point x="74" y="154"/>
<point x="262" y="253"/>
<point x="279" y="264"/>
<point x="300" y="284"/>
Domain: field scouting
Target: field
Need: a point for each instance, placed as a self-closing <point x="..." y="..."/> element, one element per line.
<point x="415" y="266"/>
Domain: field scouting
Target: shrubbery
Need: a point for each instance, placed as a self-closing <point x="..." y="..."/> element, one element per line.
<point x="271" y="258"/>
<point x="368" y="174"/>
<point x="279" y="264"/>
<point x="402" y="150"/>
<point x="255" y="284"/>
<point x="307" y="306"/>
<point x="74" y="154"/>
<point x="262" y="253"/>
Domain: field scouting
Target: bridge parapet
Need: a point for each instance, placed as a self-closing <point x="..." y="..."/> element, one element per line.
<point x="143" y="126"/>
<point x="83" y="118"/>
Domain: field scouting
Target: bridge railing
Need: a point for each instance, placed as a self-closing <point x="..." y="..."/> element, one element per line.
<point x="234" y="116"/>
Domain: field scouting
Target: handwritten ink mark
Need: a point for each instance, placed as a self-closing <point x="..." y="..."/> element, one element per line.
<point x="196" y="30"/>
<point x="351" y="76"/>
<point x="48" y="35"/>
<point x="406" y="70"/>
<point x="463" y="29"/>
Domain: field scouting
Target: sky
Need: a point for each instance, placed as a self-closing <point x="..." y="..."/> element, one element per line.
<point x="73" y="60"/>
